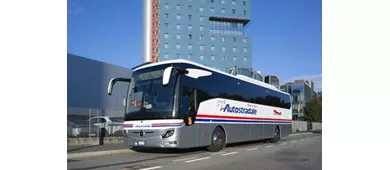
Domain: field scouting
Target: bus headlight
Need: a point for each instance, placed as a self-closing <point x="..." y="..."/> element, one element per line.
<point x="168" y="133"/>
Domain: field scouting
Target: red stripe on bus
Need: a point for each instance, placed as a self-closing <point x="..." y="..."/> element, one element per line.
<point x="238" y="117"/>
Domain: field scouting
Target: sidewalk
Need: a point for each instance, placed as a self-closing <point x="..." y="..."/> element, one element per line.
<point x="75" y="152"/>
<point x="94" y="148"/>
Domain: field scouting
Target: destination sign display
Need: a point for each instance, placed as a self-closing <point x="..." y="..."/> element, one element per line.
<point x="150" y="75"/>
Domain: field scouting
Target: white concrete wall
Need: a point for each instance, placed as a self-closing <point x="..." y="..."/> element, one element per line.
<point x="316" y="126"/>
<point x="299" y="125"/>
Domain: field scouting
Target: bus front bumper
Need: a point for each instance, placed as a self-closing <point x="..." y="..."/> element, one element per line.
<point x="151" y="140"/>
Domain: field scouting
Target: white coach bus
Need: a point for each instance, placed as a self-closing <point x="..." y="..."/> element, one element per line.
<point x="182" y="104"/>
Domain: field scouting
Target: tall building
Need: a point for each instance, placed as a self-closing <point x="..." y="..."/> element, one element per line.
<point x="209" y="32"/>
<point x="273" y="80"/>
<point x="300" y="92"/>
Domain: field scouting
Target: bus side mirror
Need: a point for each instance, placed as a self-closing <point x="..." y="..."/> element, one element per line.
<point x="167" y="75"/>
<point x="113" y="81"/>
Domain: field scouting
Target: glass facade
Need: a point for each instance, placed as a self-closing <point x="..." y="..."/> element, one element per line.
<point x="300" y="94"/>
<point x="273" y="80"/>
<point x="222" y="43"/>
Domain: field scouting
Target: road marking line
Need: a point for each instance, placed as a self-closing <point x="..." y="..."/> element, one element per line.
<point x="197" y="159"/>
<point x="294" y="141"/>
<point x="184" y="159"/>
<point x="298" y="134"/>
<point x="252" y="149"/>
<point x="218" y="153"/>
<point x="156" y="167"/>
<point x="230" y="153"/>
<point x="283" y="143"/>
<point x="301" y="139"/>
<point x="270" y="146"/>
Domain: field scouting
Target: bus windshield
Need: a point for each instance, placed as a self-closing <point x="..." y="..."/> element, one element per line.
<point x="147" y="97"/>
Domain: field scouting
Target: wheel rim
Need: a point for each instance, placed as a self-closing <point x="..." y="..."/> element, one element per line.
<point x="217" y="140"/>
<point x="277" y="134"/>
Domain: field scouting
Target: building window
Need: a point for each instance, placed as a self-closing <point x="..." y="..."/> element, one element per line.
<point x="166" y="25"/>
<point x="201" y="9"/>
<point x="166" y="45"/>
<point x="224" y="58"/>
<point x="167" y="6"/>
<point x="178" y="26"/>
<point x="178" y="36"/>
<point x="177" y="55"/>
<point x="166" y="56"/>
<point x="234" y="2"/>
<point x="201" y="57"/>
<point x="177" y="7"/>
<point x="166" y="35"/>
<point x="201" y="28"/>
<point x="234" y="58"/>
<point x="234" y="49"/>
<point x="244" y="40"/>
<point x="223" y="10"/>
<point x="189" y="27"/>
<point x="177" y="46"/>
<point x="233" y="11"/>
<point x="234" y="39"/>
<point x="201" y="18"/>
<point x="212" y="1"/>
<point x="212" y="48"/>
<point x="245" y="50"/>
<point x="190" y="36"/>
<point x="189" y="56"/>
<point x="189" y="17"/>
<point x="223" y="1"/>
<point x="189" y="7"/>
<point x="223" y="39"/>
<point x="244" y="12"/>
<point x="166" y="15"/>
<point x="178" y="17"/>
<point x="212" y="38"/>
<point x="212" y="9"/>
<point x="244" y="3"/>
<point x="200" y="37"/>
<point x="212" y="57"/>
<point x="190" y="46"/>
<point x="223" y="48"/>
<point x="201" y="47"/>
<point x="245" y="59"/>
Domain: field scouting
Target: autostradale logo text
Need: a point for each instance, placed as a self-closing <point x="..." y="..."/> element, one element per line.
<point x="234" y="109"/>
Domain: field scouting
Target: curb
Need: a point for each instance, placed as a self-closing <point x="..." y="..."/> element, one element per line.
<point x="301" y="133"/>
<point x="98" y="153"/>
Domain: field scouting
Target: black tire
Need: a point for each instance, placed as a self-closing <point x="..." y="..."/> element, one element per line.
<point x="276" y="137"/>
<point x="218" y="140"/>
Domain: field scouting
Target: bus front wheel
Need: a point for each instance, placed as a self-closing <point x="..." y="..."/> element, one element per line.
<point x="218" y="140"/>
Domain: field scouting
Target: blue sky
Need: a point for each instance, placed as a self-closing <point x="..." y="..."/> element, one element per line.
<point x="286" y="35"/>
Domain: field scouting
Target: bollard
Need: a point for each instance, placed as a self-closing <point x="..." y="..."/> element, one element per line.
<point x="101" y="136"/>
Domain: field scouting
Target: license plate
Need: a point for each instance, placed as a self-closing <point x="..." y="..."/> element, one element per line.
<point x="141" y="142"/>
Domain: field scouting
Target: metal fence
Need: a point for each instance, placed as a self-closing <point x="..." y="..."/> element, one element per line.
<point x="90" y="123"/>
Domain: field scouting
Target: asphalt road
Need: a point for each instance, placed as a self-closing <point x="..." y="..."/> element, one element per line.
<point x="297" y="152"/>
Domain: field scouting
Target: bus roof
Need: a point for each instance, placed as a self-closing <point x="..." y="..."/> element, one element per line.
<point x="240" y="77"/>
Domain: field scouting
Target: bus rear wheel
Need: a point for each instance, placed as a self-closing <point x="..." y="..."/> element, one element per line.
<point x="276" y="137"/>
<point x="218" y="140"/>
